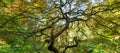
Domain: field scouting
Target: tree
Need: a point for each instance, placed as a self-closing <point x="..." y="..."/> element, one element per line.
<point x="61" y="26"/>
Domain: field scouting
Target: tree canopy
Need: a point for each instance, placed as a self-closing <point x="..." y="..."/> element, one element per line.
<point x="59" y="26"/>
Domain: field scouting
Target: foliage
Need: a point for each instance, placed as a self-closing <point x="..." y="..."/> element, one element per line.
<point x="59" y="26"/>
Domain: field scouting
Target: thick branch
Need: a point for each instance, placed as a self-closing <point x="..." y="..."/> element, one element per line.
<point x="71" y="46"/>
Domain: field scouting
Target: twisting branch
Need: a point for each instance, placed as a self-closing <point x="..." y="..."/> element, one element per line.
<point x="51" y="46"/>
<point x="55" y="35"/>
<point x="71" y="46"/>
<point x="75" y="45"/>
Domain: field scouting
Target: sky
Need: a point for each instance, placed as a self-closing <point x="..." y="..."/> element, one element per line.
<point x="29" y="0"/>
<point x="94" y="1"/>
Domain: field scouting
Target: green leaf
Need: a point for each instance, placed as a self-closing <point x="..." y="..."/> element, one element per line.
<point x="19" y="39"/>
<point x="16" y="48"/>
<point x="3" y="51"/>
<point x="27" y="47"/>
<point x="21" y="30"/>
<point x="8" y="1"/>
